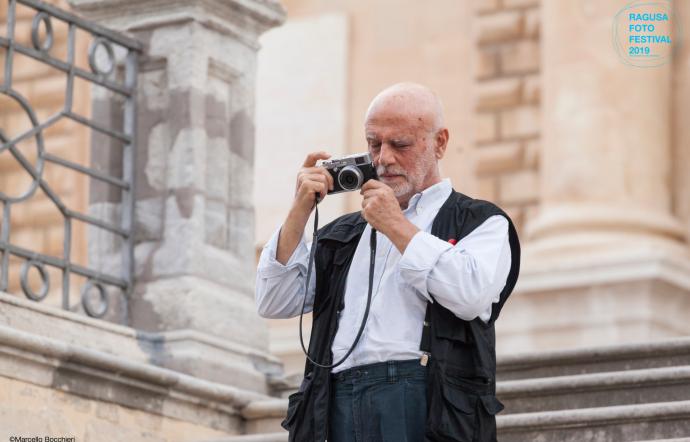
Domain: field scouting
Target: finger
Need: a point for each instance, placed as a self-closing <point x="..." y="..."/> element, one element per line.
<point x="315" y="179"/>
<point x="313" y="157"/>
<point x="366" y="193"/>
<point x="327" y="175"/>
<point x="373" y="184"/>
<point x="307" y="177"/>
<point x="314" y="187"/>
<point x="320" y="171"/>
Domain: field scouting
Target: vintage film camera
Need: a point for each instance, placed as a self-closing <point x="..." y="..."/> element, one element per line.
<point x="350" y="172"/>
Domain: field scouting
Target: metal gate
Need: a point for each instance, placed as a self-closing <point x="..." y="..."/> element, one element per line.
<point x="112" y="67"/>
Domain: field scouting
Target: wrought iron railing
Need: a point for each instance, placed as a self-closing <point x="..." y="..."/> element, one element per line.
<point x="112" y="65"/>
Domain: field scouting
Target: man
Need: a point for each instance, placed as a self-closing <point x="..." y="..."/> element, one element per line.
<point x="425" y="367"/>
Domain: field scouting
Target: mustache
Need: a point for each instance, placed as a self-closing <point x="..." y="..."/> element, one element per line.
<point x="381" y="170"/>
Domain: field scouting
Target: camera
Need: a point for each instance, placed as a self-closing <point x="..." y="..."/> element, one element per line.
<point x="350" y="172"/>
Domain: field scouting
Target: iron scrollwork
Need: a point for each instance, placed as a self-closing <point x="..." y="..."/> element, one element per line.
<point x="101" y="72"/>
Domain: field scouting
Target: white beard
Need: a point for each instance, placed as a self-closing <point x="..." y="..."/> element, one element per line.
<point x="413" y="180"/>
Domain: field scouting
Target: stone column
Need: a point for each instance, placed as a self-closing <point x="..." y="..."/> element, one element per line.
<point x="194" y="210"/>
<point x="681" y="110"/>
<point x="605" y="260"/>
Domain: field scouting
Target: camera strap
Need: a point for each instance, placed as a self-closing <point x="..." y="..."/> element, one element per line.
<point x="312" y="253"/>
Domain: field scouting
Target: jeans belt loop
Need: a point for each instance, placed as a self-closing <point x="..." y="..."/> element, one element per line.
<point x="392" y="372"/>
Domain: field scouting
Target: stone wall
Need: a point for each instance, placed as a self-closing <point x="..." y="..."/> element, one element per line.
<point x="507" y="105"/>
<point x="43" y="411"/>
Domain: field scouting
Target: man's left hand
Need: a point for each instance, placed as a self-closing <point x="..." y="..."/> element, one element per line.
<point x="381" y="209"/>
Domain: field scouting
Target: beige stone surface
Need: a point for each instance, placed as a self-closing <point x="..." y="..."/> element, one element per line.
<point x="520" y="57"/>
<point x="498" y="93"/>
<point x="301" y="108"/>
<point x="486" y="62"/>
<point x="29" y="410"/>
<point x="522" y="121"/>
<point x="500" y="27"/>
<point x="588" y="310"/>
<point x="594" y="153"/>
<point x="681" y="110"/>
<point x="531" y="90"/>
<point x="482" y="6"/>
<point x="520" y="3"/>
<point x="499" y="157"/>
<point x="532" y="22"/>
<point x="485" y="126"/>
<point x="519" y="187"/>
<point x="488" y="188"/>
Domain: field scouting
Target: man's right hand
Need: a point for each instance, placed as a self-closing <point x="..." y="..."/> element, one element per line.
<point x="310" y="181"/>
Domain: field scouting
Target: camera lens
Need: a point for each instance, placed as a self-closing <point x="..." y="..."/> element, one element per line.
<point x="350" y="178"/>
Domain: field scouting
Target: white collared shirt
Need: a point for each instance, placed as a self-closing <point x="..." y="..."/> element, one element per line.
<point x="466" y="279"/>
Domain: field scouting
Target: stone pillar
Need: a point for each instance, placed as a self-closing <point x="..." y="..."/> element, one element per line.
<point x="194" y="210"/>
<point x="605" y="260"/>
<point x="681" y="110"/>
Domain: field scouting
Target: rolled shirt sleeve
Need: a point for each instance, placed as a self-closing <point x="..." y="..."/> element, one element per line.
<point x="280" y="288"/>
<point x="465" y="278"/>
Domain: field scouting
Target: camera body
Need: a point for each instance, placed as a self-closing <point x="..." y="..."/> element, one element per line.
<point x="350" y="172"/>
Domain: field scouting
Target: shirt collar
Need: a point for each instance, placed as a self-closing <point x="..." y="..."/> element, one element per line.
<point x="431" y="197"/>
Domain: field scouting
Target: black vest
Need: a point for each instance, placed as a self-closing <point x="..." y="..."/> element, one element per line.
<point x="461" y="401"/>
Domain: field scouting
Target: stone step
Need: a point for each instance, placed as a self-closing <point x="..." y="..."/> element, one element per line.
<point x="601" y="424"/>
<point x="666" y="353"/>
<point x="675" y="439"/>
<point x="267" y="437"/>
<point x="595" y="390"/>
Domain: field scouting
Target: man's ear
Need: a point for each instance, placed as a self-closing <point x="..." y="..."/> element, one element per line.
<point x="441" y="143"/>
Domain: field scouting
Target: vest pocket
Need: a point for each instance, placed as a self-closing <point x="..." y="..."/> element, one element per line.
<point x="295" y="401"/>
<point x="452" y="414"/>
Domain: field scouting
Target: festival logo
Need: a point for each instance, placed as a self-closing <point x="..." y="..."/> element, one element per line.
<point x="644" y="33"/>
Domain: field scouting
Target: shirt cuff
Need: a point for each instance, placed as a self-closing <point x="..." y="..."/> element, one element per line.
<point x="420" y="256"/>
<point x="270" y="267"/>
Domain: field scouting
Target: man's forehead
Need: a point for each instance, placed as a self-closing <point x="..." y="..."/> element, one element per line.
<point x="390" y="129"/>
<point x="399" y="122"/>
<point x="389" y="134"/>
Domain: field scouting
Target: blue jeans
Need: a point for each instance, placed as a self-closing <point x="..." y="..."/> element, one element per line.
<point x="382" y="402"/>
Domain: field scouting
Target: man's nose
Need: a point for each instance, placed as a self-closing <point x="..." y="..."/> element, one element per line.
<point x="386" y="155"/>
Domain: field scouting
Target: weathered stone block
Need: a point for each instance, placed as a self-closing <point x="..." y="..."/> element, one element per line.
<point x="532" y="153"/>
<point x="484" y="6"/>
<point x="499" y="157"/>
<point x="531" y="89"/>
<point x="519" y="187"/>
<point x="499" y="27"/>
<point x="520" y="57"/>
<point x="532" y="23"/>
<point x="487" y="188"/>
<point x="498" y="93"/>
<point x="486" y="62"/>
<point x="520" y="3"/>
<point x="485" y="126"/>
<point x="521" y="121"/>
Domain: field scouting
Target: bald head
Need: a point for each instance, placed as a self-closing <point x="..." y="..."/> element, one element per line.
<point x="411" y="101"/>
